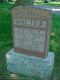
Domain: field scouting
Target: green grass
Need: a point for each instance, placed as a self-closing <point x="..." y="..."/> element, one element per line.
<point x="5" y="35"/>
<point x="55" y="44"/>
<point x="49" y="3"/>
<point x="5" y="27"/>
<point x="6" y="41"/>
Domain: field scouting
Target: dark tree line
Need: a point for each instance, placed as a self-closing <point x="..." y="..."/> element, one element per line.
<point x="1" y="1"/>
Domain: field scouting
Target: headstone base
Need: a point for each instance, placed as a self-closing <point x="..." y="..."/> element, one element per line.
<point x="29" y="65"/>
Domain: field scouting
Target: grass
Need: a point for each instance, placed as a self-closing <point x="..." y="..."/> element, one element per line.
<point x="5" y="27"/>
<point x="6" y="41"/>
<point x="49" y="3"/>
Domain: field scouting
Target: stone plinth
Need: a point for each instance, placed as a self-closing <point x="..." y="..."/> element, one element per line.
<point x="29" y="65"/>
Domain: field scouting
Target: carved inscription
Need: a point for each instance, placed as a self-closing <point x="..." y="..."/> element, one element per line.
<point x="30" y="22"/>
<point x="29" y="39"/>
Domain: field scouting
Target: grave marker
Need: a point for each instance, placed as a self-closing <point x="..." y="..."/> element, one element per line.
<point x="31" y="30"/>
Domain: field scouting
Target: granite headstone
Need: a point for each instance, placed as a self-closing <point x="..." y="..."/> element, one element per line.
<point x="31" y="30"/>
<point x="31" y="33"/>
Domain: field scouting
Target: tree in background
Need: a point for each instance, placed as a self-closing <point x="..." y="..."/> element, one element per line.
<point x="9" y="0"/>
<point x="45" y="1"/>
<point x="24" y="2"/>
<point x="1" y="1"/>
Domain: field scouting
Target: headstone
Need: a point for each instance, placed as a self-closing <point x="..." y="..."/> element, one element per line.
<point x="31" y="32"/>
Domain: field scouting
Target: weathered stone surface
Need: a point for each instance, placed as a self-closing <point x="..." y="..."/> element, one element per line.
<point x="29" y="65"/>
<point x="31" y="30"/>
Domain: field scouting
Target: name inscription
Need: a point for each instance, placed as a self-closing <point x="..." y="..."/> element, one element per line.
<point x="30" y="22"/>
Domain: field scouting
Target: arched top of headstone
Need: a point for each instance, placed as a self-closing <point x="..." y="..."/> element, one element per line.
<point x="32" y="11"/>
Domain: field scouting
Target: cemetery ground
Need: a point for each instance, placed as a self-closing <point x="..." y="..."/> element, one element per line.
<point x="6" y="43"/>
<point x="49" y="3"/>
